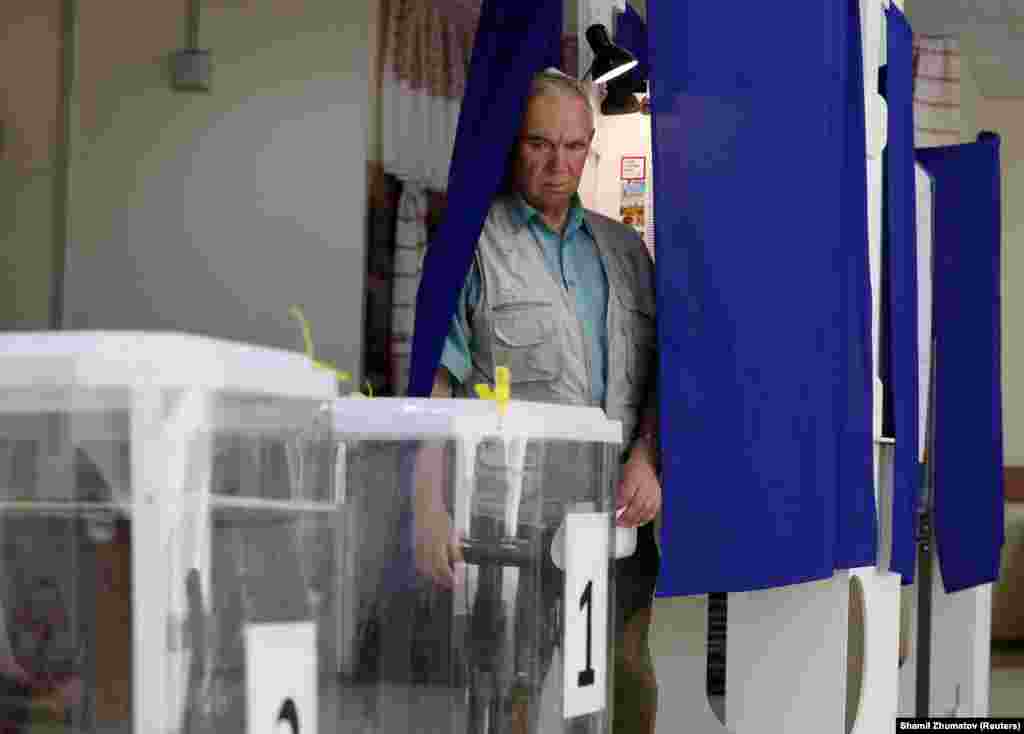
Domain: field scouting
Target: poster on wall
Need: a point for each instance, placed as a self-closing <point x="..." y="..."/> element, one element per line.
<point x="633" y="176"/>
<point x="632" y="208"/>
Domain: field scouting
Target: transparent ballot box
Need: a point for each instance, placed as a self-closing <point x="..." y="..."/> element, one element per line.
<point x="170" y="536"/>
<point x="480" y="551"/>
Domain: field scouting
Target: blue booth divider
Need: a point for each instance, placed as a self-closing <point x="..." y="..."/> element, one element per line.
<point x="763" y="293"/>
<point x="968" y="439"/>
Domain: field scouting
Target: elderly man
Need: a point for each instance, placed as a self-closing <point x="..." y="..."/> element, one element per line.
<point x="564" y="297"/>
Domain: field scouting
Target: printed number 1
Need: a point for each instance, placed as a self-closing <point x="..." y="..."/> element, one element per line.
<point x="586" y="676"/>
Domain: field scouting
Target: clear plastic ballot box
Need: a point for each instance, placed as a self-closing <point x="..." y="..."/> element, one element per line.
<point x="480" y="551"/>
<point x="197" y="537"/>
<point x="169" y="537"/>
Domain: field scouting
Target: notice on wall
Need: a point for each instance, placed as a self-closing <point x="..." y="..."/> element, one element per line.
<point x="633" y="168"/>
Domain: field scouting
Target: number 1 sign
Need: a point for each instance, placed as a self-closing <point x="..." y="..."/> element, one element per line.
<point x="585" y="632"/>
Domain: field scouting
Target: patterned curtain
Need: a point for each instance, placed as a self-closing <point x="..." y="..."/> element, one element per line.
<point x="424" y="56"/>
<point x="410" y="246"/>
<point x="425" y="53"/>
<point x="384" y="192"/>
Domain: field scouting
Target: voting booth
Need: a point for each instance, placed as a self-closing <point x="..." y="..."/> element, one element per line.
<point x="818" y="655"/>
<point x="168" y="524"/>
<point x="519" y="636"/>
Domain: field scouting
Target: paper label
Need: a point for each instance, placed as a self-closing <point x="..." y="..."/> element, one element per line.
<point x="585" y="632"/>
<point x="281" y="678"/>
<point x="633" y="168"/>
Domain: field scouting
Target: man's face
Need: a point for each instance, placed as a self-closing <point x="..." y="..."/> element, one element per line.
<point x="552" y="150"/>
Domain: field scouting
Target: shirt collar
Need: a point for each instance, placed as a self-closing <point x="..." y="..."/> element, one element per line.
<point x="526" y="214"/>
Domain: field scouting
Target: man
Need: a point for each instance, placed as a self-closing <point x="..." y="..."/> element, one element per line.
<point x="564" y="298"/>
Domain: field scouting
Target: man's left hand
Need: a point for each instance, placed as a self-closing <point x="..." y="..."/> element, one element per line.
<point x="639" y="492"/>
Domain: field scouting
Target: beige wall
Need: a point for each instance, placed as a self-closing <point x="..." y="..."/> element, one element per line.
<point x="1006" y="117"/>
<point x="373" y="116"/>
<point x="209" y="213"/>
<point x="212" y="213"/>
<point x="30" y="51"/>
<point x="970" y="94"/>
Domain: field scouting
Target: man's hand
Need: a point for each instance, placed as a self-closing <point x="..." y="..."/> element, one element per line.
<point x="639" y="492"/>
<point x="438" y="547"/>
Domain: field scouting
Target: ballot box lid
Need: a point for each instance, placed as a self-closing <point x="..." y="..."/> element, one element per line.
<point x="426" y="418"/>
<point x="142" y="360"/>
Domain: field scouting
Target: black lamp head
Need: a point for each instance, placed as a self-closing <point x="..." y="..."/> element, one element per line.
<point x="620" y="95"/>
<point x="620" y="100"/>
<point x="610" y="61"/>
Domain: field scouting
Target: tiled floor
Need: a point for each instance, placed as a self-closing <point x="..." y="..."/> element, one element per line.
<point x="1006" y="692"/>
<point x="1006" y="696"/>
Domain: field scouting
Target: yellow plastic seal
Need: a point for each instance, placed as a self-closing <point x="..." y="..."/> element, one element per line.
<point x="502" y="391"/>
<point x="307" y="339"/>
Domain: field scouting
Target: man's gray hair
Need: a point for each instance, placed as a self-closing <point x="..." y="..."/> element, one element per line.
<point x="553" y="81"/>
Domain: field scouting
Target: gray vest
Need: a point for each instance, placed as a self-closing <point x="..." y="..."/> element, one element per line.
<point x="526" y="319"/>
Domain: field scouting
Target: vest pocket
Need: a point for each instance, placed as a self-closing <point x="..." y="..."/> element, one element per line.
<point x="524" y="341"/>
<point x="641" y="340"/>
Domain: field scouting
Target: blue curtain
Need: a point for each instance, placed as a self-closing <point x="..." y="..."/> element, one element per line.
<point x="899" y="361"/>
<point x="856" y="522"/>
<point x="631" y="33"/>
<point x="759" y="155"/>
<point x="968" y="442"/>
<point x="514" y="40"/>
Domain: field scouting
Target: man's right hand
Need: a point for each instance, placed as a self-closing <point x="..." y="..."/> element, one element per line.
<point x="438" y="547"/>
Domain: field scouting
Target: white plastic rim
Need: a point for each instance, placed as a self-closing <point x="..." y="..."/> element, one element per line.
<point x="424" y="418"/>
<point x="136" y="360"/>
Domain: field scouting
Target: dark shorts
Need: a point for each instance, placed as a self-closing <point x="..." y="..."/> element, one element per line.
<point x="636" y="576"/>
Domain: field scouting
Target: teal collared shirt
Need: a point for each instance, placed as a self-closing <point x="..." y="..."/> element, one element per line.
<point x="573" y="259"/>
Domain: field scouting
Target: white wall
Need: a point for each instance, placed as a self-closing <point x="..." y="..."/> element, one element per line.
<point x="617" y="136"/>
<point x="620" y="135"/>
<point x="211" y="213"/>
